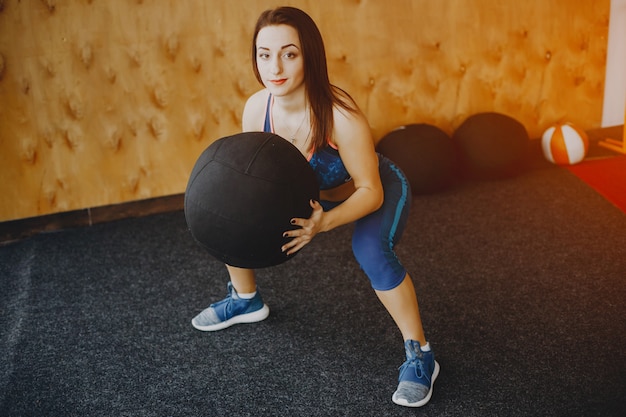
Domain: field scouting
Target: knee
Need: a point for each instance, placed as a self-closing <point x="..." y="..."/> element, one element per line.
<point x="379" y="264"/>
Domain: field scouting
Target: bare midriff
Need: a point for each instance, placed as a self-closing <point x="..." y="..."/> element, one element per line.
<point x="339" y="193"/>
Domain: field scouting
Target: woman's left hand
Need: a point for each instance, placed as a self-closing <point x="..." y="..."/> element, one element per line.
<point x="307" y="231"/>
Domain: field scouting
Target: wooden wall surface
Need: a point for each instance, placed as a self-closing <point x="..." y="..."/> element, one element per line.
<point x="111" y="101"/>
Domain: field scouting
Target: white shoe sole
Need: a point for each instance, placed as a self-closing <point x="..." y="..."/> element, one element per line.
<point x="253" y="317"/>
<point x="405" y="403"/>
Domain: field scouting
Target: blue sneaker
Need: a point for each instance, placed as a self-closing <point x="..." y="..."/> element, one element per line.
<point x="231" y="310"/>
<point x="417" y="376"/>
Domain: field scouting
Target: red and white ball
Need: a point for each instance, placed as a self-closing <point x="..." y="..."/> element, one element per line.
<point x="564" y="144"/>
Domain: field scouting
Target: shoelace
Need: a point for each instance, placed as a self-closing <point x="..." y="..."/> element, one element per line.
<point x="414" y="363"/>
<point x="228" y="308"/>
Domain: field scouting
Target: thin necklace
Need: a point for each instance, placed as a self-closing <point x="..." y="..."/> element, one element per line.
<point x="292" y="138"/>
<point x="307" y="137"/>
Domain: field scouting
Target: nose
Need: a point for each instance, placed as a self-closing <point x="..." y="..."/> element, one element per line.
<point x="276" y="66"/>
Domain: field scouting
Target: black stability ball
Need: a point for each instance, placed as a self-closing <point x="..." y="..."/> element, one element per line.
<point x="492" y="146"/>
<point x="426" y="155"/>
<point x="241" y="195"/>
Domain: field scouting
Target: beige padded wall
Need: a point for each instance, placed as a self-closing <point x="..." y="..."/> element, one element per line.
<point x="103" y="102"/>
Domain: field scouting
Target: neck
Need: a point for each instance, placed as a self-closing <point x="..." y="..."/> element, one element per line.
<point x="290" y="115"/>
<point x="292" y="103"/>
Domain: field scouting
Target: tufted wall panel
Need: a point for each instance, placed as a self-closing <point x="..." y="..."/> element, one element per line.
<point x="103" y="102"/>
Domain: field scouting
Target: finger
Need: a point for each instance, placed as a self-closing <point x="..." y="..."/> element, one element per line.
<point x="296" y="248"/>
<point x="316" y="205"/>
<point x="288" y="246"/>
<point x="295" y="245"/>
<point x="296" y="221"/>
<point x="295" y="232"/>
<point x="292" y="233"/>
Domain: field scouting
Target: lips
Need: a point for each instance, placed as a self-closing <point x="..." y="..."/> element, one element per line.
<point x="279" y="82"/>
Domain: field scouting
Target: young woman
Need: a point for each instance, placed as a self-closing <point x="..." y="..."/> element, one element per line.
<point x="299" y="104"/>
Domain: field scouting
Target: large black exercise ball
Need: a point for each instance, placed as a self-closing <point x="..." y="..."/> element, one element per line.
<point x="492" y="146"/>
<point x="242" y="194"/>
<point x="426" y="155"/>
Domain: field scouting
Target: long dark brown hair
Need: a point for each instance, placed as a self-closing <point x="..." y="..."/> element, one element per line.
<point x="322" y="95"/>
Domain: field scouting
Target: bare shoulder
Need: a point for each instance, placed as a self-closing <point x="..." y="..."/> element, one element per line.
<point x="350" y="125"/>
<point x="254" y="111"/>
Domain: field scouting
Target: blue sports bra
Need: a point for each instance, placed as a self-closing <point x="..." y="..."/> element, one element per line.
<point x="326" y="162"/>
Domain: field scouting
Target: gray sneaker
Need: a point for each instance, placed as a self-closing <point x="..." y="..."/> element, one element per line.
<point x="231" y="310"/>
<point x="417" y="376"/>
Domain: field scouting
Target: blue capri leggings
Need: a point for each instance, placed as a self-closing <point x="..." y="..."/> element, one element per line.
<point x="376" y="234"/>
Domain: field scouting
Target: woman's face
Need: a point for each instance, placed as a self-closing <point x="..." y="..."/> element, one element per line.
<point x="279" y="59"/>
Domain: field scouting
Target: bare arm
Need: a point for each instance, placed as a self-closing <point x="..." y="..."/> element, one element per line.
<point x="254" y="112"/>
<point x="356" y="147"/>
